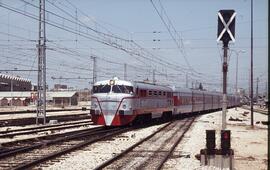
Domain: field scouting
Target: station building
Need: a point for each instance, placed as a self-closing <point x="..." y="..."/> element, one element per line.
<point x="22" y="98"/>
<point x="62" y="98"/>
<point x="14" y="83"/>
<point x="25" y="98"/>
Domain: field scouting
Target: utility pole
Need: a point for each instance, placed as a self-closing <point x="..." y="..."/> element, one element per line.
<point x="251" y="66"/>
<point x="257" y="89"/>
<point x="266" y="89"/>
<point x="125" y="71"/>
<point x="154" y="76"/>
<point x="249" y="84"/>
<point x="186" y="80"/>
<point x="41" y="86"/>
<point x="94" y="69"/>
<point x="11" y="90"/>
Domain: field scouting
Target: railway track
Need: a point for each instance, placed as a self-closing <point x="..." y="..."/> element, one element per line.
<point x="19" y="156"/>
<point x="35" y="130"/>
<point x="32" y="120"/>
<point x="34" y="111"/>
<point x="153" y="151"/>
<point x="265" y="112"/>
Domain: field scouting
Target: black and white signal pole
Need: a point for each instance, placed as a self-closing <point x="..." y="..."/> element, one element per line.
<point x="226" y="29"/>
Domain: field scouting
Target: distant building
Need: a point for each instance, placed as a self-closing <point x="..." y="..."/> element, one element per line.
<point x="63" y="98"/>
<point x="24" y="98"/>
<point x="34" y="87"/>
<point x="13" y="83"/>
<point x="60" y="87"/>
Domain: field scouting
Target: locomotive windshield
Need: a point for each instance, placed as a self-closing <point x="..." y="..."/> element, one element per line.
<point x="115" y="89"/>
<point x="102" y="89"/>
<point x="122" y="89"/>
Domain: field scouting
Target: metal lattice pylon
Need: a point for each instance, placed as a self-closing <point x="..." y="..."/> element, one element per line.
<point x="41" y="85"/>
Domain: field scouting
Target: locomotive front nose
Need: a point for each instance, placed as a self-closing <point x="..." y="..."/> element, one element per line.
<point x="109" y="110"/>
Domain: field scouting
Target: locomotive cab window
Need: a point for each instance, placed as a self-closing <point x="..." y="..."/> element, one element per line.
<point x="122" y="89"/>
<point x="102" y="89"/>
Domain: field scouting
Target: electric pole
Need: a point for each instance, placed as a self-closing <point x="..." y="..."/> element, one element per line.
<point x="41" y="86"/>
<point x="125" y="71"/>
<point x="94" y="69"/>
<point x="257" y="89"/>
<point x="266" y="89"/>
<point x="186" y="80"/>
<point x="251" y="66"/>
<point x="154" y="76"/>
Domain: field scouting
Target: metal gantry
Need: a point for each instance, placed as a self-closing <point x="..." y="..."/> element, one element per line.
<point x="41" y="85"/>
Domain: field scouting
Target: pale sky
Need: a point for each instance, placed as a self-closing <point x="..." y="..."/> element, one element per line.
<point x="68" y="54"/>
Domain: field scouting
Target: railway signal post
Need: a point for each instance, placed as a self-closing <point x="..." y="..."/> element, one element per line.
<point x="211" y="156"/>
<point x="226" y="32"/>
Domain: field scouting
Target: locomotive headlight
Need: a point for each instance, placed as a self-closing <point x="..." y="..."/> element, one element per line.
<point x="124" y="106"/>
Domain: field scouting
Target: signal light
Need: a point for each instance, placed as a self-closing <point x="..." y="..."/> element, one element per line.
<point x="210" y="140"/>
<point x="225" y="140"/>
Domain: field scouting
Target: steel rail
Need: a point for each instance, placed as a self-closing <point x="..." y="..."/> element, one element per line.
<point x="33" y="111"/>
<point x="118" y="156"/>
<point x="32" y="120"/>
<point x="174" y="146"/>
<point x="68" y="150"/>
<point x="44" y="129"/>
<point x="85" y="132"/>
<point x="265" y="112"/>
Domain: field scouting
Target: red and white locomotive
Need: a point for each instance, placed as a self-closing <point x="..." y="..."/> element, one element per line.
<point x="117" y="102"/>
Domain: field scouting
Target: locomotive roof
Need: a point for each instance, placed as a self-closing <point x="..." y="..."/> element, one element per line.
<point x="116" y="82"/>
<point x="130" y="83"/>
<point x="183" y="90"/>
<point x="152" y="86"/>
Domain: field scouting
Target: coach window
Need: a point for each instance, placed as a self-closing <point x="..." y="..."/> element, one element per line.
<point x="150" y="93"/>
<point x="169" y="94"/>
<point x="142" y="93"/>
<point x="155" y="93"/>
<point x="159" y="93"/>
<point x="164" y="93"/>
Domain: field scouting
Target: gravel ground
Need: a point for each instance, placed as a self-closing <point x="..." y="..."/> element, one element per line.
<point x="250" y="145"/>
<point x="95" y="154"/>
<point x="45" y="133"/>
